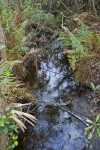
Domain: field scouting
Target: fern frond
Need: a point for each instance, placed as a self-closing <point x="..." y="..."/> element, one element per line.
<point x="79" y="48"/>
<point x="83" y="32"/>
<point x="5" y="78"/>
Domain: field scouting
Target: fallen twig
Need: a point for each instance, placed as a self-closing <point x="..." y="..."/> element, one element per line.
<point x="76" y="116"/>
<point x="69" y="111"/>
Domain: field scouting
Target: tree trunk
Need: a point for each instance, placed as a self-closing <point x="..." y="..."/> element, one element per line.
<point x="2" y="42"/>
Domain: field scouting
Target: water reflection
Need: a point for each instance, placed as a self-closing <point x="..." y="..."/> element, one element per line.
<point x="54" y="129"/>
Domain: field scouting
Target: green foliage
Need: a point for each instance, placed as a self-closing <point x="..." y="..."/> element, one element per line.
<point x="81" y="46"/>
<point x="14" y="28"/>
<point x="5" y="14"/>
<point x="5" y="78"/>
<point x="14" y="22"/>
<point x="9" y="127"/>
<point x="7" y="124"/>
<point x="77" y="51"/>
<point x="94" y="88"/>
<point x="15" y="35"/>
<point x="80" y="42"/>
<point x="37" y="14"/>
<point x="65" y="40"/>
<point x="95" y="126"/>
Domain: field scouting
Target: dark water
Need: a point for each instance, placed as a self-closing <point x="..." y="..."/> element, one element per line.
<point x="55" y="91"/>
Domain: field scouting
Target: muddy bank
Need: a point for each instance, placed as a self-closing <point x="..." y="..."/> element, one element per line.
<point x="85" y="108"/>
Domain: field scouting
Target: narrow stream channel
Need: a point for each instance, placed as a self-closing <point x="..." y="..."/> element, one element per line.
<point x="56" y="92"/>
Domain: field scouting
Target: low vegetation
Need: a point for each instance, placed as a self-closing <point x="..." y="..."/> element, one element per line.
<point x="93" y="128"/>
<point x="25" y="23"/>
<point x="11" y="121"/>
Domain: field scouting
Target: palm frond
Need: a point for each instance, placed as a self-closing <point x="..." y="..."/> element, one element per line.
<point x="18" y="115"/>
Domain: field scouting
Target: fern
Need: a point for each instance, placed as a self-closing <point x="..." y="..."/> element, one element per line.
<point x="85" y="36"/>
<point x="65" y="40"/>
<point x="5" y="14"/>
<point x="79" y="48"/>
<point x="84" y="33"/>
<point x="83" y="50"/>
<point x="5" y="78"/>
<point x="14" y="29"/>
<point x="14" y="25"/>
<point x="77" y="51"/>
<point x="82" y="43"/>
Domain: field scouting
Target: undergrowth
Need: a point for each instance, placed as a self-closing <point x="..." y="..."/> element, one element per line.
<point x="14" y="22"/>
<point x="82" y="47"/>
<point x="7" y="124"/>
<point x="5" y="79"/>
<point x="38" y="15"/>
<point x="14" y="28"/>
<point x="10" y="128"/>
<point x="12" y="119"/>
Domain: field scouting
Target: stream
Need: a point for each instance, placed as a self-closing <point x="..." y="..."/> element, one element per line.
<point x="56" y="92"/>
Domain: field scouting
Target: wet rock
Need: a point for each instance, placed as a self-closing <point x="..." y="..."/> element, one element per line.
<point x="55" y="45"/>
